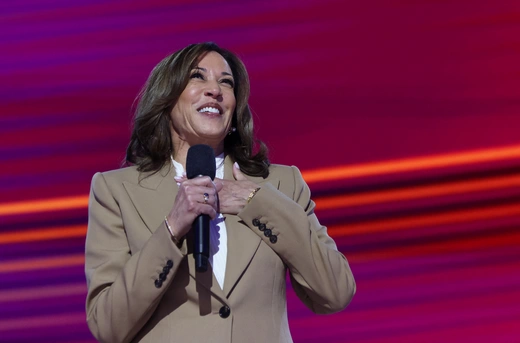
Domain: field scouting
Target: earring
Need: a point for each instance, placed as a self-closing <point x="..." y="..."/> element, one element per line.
<point x="233" y="129"/>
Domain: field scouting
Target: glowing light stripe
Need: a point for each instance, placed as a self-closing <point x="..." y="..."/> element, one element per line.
<point x="44" y="205"/>
<point x="412" y="164"/>
<point x="43" y="234"/>
<point x="410" y="193"/>
<point x="42" y="263"/>
<point x="339" y="202"/>
<point x="317" y="175"/>
<point x="447" y="218"/>
<point x="452" y="217"/>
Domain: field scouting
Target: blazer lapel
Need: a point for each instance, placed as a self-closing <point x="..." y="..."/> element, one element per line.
<point x="153" y="196"/>
<point x="153" y="199"/>
<point x="242" y="243"/>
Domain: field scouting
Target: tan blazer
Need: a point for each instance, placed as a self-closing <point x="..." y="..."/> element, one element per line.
<point x="128" y="247"/>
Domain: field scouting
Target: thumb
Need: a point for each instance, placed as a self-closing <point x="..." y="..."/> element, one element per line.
<point x="239" y="176"/>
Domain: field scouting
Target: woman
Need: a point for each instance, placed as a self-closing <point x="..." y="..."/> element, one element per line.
<point x="142" y="283"/>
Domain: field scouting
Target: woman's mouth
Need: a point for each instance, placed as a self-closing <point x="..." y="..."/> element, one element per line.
<point x="212" y="109"/>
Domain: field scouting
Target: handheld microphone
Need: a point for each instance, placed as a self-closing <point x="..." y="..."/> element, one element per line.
<point x="201" y="162"/>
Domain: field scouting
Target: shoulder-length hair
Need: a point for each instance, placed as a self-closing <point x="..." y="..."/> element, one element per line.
<point x="151" y="145"/>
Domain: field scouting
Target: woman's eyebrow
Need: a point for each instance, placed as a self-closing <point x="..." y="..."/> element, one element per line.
<point x="204" y="70"/>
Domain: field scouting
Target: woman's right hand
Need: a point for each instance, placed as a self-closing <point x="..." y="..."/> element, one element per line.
<point x="189" y="203"/>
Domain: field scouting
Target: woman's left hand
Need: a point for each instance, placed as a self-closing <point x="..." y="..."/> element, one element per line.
<point x="233" y="196"/>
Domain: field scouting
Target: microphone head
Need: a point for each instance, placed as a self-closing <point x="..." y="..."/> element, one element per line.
<point x="200" y="161"/>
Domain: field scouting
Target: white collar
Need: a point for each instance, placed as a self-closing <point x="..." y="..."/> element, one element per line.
<point x="219" y="163"/>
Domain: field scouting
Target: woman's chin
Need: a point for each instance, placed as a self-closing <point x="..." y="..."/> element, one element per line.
<point x="210" y="137"/>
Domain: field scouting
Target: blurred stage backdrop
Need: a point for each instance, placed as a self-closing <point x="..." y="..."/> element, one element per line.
<point x="404" y="117"/>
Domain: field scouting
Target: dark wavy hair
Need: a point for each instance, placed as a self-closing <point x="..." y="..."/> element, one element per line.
<point x="151" y="145"/>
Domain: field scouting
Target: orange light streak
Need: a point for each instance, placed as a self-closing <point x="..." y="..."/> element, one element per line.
<point x="426" y="220"/>
<point x="44" y="205"/>
<point x="453" y="217"/>
<point x="42" y="263"/>
<point x="412" y="164"/>
<point x="430" y="191"/>
<point x="43" y="234"/>
<point x="317" y="175"/>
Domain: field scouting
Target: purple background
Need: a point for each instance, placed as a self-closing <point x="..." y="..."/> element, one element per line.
<point x="415" y="104"/>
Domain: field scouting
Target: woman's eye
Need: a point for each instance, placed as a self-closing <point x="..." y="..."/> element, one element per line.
<point x="229" y="82"/>
<point x="196" y="76"/>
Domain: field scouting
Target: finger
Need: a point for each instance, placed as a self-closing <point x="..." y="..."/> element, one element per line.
<point x="198" y="192"/>
<point x="180" y="179"/>
<point x="208" y="209"/>
<point x="206" y="198"/>
<point x="197" y="209"/>
<point x="201" y="181"/>
<point x="210" y="199"/>
<point x="237" y="173"/>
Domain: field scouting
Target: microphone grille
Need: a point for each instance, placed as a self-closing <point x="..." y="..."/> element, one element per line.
<point x="200" y="161"/>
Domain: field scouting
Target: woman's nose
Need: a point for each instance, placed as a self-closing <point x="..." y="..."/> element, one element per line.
<point x="213" y="89"/>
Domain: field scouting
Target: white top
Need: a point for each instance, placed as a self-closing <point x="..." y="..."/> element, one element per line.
<point x="218" y="232"/>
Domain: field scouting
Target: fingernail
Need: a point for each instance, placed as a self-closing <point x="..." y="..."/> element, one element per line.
<point x="236" y="165"/>
<point x="177" y="178"/>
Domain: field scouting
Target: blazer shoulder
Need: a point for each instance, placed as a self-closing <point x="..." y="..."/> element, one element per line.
<point x="120" y="175"/>
<point x="291" y="180"/>
<point x="284" y="172"/>
<point x="280" y="169"/>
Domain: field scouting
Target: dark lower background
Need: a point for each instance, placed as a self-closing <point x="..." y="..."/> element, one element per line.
<point x="402" y="115"/>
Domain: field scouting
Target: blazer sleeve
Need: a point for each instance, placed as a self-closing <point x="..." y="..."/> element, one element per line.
<point x="320" y="274"/>
<point x="123" y="290"/>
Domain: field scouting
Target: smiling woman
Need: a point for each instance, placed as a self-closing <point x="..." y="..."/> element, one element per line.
<point x="203" y="113"/>
<point x="171" y="87"/>
<point x="142" y="286"/>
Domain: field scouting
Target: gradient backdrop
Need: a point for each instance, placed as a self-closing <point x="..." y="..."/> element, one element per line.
<point x="404" y="117"/>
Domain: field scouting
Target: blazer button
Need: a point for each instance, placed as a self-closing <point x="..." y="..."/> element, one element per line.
<point x="169" y="263"/>
<point x="256" y="222"/>
<point x="267" y="233"/>
<point x="273" y="239"/>
<point x="166" y="270"/>
<point x="158" y="283"/>
<point x="162" y="276"/>
<point x="262" y="227"/>
<point x="224" y="312"/>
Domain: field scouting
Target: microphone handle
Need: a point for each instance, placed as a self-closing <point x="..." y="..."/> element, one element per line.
<point x="201" y="242"/>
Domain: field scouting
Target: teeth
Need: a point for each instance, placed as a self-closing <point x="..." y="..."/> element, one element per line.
<point x="209" y="109"/>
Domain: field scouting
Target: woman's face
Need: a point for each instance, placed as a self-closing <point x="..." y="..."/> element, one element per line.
<point x="205" y="108"/>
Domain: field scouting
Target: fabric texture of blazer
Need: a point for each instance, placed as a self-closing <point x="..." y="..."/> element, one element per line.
<point x="143" y="288"/>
